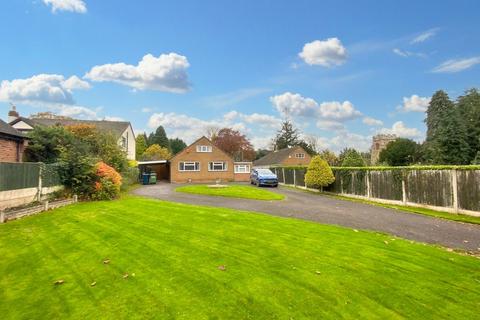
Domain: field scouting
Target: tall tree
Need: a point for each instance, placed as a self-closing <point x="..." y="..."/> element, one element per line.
<point x="353" y="159"/>
<point x="401" y="152"/>
<point x="451" y="144"/>
<point x="177" y="145"/>
<point x="330" y="157"/>
<point x="469" y="108"/>
<point x="159" y="137"/>
<point x="446" y="141"/>
<point x="140" y="145"/>
<point x="287" y="136"/>
<point x="437" y="110"/>
<point x="235" y="144"/>
<point x="156" y="152"/>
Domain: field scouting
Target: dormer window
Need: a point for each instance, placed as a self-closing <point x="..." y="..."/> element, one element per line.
<point x="300" y="155"/>
<point x="204" y="148"/>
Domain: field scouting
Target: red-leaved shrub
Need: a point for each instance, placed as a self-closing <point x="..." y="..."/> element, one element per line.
<point x="107" y="185"/>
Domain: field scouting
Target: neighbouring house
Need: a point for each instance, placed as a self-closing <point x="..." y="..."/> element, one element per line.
<point x="202" y="161"/>
<point x="295" y="156"/>
<point x="12" y="143"/>
<point x="122" y="130"/>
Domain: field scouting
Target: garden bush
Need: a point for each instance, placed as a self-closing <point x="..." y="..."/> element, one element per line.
<point x="108" y="183"/>
<point x="319" y="173"/>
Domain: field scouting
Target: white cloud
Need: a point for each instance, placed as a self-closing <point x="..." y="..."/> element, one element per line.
<point x="74" y="111"/>
<point x="234" y="97"/>
<point x="329" y="125"/>
<point x="346" y="139"/>
<point x="108" y="118"/>
<point x="372" y="122"/>
<point x="399" y="129"/>
<point x="42" y="88"/>
<point x="166" y="73"/>
<point x="293" y="104"/>
<point x="326" y="53"/>
<point x="339" y="111"/>
<point x="406" y="54"/>
<point x="146" y="110"/>
<point x="75" y="83"/>
<point x="424" y="36"/>
<point x="414" y="103"/>
<point x="78" y="6"/>
<point x="456" y="65"/>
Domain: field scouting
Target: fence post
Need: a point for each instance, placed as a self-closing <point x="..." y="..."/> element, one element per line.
<point x="39" y="193"/>
<point x="45" y="206"/>
<point x="283" y="175"/>
<point x="404" y="189"/>
<point x="2" y="216"/>
<point x="455" y="189"/>
<point x="75" y="198"/>
<point x="369" y="192"/>
<point x="294" y="177"/>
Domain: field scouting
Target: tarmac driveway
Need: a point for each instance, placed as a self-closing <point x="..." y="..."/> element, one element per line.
<point x="318" y="208"/>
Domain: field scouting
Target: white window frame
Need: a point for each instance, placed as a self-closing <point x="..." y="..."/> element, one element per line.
<point x="246" y="166"/>
<point x="212" y="164"/>
<point x="195" y="164"/>
<point x="300" y="155"/>
<point x="204" y="148"/>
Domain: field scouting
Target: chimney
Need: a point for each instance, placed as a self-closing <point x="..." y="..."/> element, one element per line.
<point x="13" y="114"/>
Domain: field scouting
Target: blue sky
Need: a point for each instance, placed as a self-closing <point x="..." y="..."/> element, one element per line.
<point x="341" y="70"/>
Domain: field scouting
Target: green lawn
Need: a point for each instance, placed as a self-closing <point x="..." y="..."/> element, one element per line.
<point x="274" y="268"/>
<point x="233" y="191"/>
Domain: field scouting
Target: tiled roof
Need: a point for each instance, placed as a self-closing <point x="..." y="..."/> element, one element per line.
<point x="114" y="127"/>
<point x="7" y="129"/>
<point x="273" y="158"/>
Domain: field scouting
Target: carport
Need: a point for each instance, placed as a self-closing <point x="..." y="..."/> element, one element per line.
<point x="160" y="167"/>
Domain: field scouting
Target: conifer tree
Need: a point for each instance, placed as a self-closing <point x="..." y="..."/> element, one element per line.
<point x="319" y="173"/>
<point x="140" y="145"/>
<point x="160" y="138"/>
<point x="469" y="109"/>
<point x="287" y="136"/>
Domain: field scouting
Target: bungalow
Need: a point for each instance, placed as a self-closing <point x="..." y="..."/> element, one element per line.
<point x="122" y="130"/>
<point x="202" y="161"/>
<point x="12" y="143"/>
<point x="295" y="156"/>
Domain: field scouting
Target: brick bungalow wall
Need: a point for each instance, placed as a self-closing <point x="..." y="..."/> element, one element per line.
<point x="11" y="150"/>
<point x="190" y="154"/>
<point x="291" y="160"/>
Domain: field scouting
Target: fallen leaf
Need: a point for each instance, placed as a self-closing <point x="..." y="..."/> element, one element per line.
<point x="465" y="241"/>
<point x="58" y="282"/>
<point x="386" y="242"/>
<point x="355" y="230"/>
<point x="449" y="249"/>
<point x="133" y="274"/>
<point x="318" y="272"/>
<point x="106" y="261"/>
<point x="222" y="268"/>
<point x="93" y="284"/>
<point x="125" y="276"/>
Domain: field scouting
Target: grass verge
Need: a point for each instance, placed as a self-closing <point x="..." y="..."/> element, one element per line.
<point x="138" y="258"/>
<point x="232" y="191"/>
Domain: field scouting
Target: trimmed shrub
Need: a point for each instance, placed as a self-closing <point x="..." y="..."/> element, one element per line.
<point x="319" y="173"/>
<point x="109" y="181"/>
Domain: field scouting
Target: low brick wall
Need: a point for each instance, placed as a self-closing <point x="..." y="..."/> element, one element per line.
<point x="24" y="212"/>
<point x="19" y="197"/>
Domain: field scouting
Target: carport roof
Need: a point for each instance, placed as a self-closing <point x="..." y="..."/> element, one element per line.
<point x="152" y="162"/>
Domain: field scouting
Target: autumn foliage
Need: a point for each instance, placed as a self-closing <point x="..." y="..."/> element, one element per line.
<point x="235" y="144"/>
<point x="108" y="183"/>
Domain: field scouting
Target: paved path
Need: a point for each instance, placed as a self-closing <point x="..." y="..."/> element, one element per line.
<point x="313" y="207"/>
